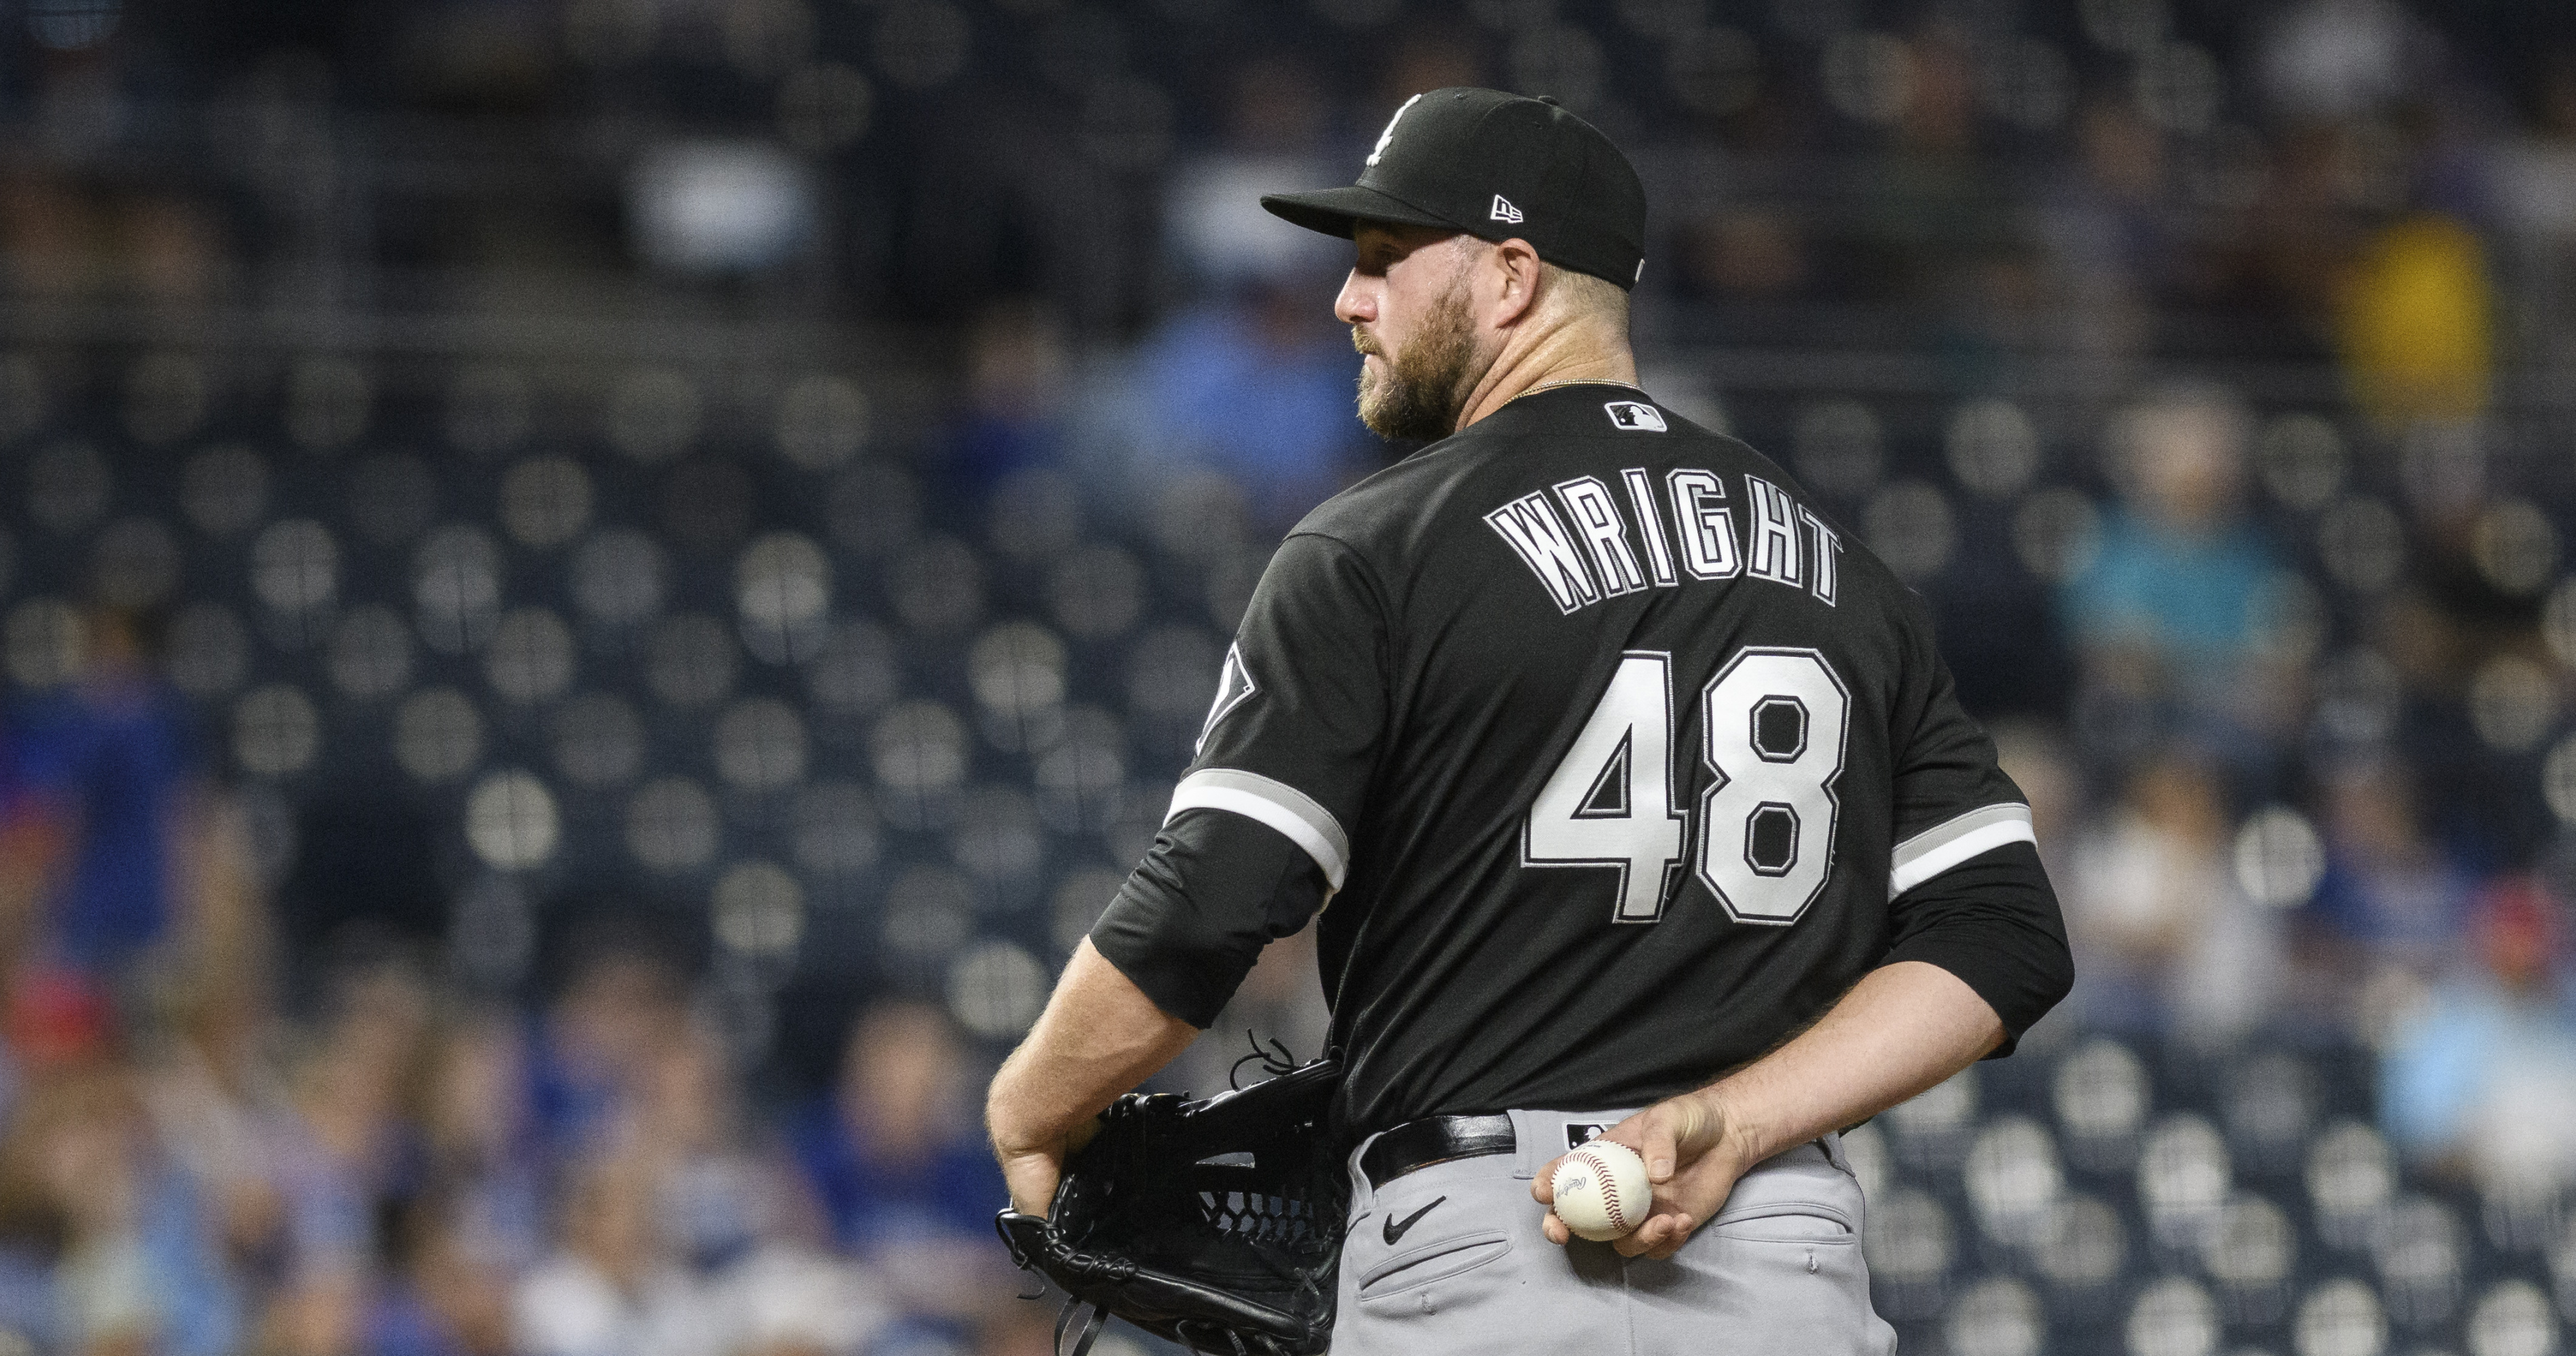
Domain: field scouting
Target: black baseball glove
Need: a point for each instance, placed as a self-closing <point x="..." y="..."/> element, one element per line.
<point x="1216" y="1223"/>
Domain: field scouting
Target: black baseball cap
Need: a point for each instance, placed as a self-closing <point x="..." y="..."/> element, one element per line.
<point x="1495" y="166"/>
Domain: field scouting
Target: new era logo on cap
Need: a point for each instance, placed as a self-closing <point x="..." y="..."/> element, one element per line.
<point x="1503" y="209"/>
<point x="1636" y="416"/>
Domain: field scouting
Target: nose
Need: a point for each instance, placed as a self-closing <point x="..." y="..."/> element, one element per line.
<point x="1357" y="303"/>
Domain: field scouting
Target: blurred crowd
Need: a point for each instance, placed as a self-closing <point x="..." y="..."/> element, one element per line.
<point x="2283" y="807"/>
<point x="1983" y="180"/>
<point x="203" y="1150"/>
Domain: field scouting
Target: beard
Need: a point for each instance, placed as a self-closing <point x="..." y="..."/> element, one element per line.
<point x="1423" y="388"/>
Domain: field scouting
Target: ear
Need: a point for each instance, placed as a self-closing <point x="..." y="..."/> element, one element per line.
<point x="1514" y="276"/>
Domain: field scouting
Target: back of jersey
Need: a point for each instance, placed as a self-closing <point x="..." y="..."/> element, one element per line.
<point x="1614" y="749"/>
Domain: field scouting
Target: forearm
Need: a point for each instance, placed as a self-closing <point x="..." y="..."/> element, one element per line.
<point x="1099" y="1036"/>
<point x="1903" y="1028"/>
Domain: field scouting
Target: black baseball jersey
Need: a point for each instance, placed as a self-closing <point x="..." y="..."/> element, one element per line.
<point x="1611" y="761"/>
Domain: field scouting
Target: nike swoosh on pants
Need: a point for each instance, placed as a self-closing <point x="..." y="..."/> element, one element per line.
<point x="1394" y="1230"/>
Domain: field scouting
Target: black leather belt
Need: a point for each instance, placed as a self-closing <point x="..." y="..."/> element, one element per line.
<point x="1434" y="1139"/>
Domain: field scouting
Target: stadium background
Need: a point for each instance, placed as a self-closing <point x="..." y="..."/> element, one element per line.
<point x="593" y="593"/>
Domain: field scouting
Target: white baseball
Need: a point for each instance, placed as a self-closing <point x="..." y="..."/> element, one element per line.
<point x="1601" y="1190"/>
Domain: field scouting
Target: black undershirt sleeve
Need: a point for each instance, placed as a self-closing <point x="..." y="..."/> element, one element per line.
<point x="1993" y="921"/>
<point x="1194" y="915"/>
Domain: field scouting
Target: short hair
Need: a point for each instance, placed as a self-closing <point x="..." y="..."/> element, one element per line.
<point x="1574" y="293"/>
<point x="1584" y="294"/>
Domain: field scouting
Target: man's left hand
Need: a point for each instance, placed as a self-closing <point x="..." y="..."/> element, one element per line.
<point x="1689" y="1161"/>
<point x="1032" y="1171"/>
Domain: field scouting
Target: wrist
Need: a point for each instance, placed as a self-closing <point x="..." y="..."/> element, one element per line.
<point x="1734" y="1138"/>
<point x="1014" y="1133"/>
<point x="1021" y="1135"/>
<point x="1019" y="1139"/>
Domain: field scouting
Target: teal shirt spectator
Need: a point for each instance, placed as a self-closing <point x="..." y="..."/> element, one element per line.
<point x="2199" y="598"/>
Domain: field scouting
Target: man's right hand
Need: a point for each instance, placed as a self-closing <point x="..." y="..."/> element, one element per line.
<point x="1691" y="1160"/>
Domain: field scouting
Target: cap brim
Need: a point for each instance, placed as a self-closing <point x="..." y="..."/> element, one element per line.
<point x="1334" y="211"/>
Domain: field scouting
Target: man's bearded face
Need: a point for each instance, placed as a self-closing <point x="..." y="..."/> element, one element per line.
<point x="1417" y="392"/>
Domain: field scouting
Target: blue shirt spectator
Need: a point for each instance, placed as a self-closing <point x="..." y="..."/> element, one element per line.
<point x="2483" y="1077"/>
<point x="114" y="752"/>
<point x="1259" y="391"/>
<point x="896" y="1161"/>
<point x="874" y="1200"/>
<point x="891" y="1155"/>
<point x="2389" y="886"/>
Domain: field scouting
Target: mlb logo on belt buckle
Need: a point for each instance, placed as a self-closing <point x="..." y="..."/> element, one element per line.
<point x="1636" y="416"/>
<point x="1579" y="1134"/>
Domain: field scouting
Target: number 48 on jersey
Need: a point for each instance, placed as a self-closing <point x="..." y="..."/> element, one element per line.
<point x="1773" y="726"/>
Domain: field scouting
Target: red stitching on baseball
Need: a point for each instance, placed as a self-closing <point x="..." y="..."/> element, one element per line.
<point x="1609" y="1187"/>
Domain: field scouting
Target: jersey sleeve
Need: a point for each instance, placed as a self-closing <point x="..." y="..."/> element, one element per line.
<point x="1966" y="889"/>
<point x="1257" y="836"/>
<point x="1952" y="802"/>
<point x="1292" y="738"/>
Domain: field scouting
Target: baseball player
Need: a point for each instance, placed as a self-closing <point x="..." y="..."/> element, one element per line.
<point x="1632" y="792"/>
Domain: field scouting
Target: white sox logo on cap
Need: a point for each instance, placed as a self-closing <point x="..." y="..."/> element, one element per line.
<point x="1384" y="138"/>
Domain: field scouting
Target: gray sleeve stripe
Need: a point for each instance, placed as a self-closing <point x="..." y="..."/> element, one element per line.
<point x="1945" y="845"/>
<point x="1283" y="807"/>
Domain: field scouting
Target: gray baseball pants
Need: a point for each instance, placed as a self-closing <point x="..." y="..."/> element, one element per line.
<point x="1777" y="1273"/>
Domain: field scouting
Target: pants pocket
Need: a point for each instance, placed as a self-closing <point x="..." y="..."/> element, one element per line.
<point x="1781" y="1275"/>
<point x="1788" y="1222"/>
<point x="1436" y="1260"/>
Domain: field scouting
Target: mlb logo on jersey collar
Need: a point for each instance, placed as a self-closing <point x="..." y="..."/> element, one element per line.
<point x="1636" y="416"/>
